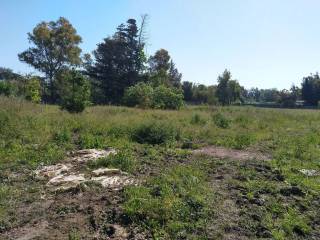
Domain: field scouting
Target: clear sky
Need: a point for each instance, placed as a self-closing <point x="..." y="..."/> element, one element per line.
<point x="265" y="43"/>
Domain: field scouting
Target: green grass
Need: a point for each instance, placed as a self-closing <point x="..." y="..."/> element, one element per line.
<point x="174" y="202"/>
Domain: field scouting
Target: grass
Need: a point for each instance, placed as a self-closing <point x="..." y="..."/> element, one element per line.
<point x="174" y="201"/>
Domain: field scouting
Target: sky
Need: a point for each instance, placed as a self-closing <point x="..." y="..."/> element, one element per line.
<point x="264" y="43"/>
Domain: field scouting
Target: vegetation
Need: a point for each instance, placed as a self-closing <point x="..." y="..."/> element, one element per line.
<point x="200" y="172"/>
<point x="181" y="195"/>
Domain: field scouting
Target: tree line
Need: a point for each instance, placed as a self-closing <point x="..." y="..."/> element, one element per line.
<point x="119" y="72"/>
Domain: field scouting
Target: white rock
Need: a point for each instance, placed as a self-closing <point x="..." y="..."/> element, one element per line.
<point x="106" y="171"/>
<point x="52" y="170"/>
<point x="309" y="172"/>
<point x="67" y="180"/>
<point x="113" y="181"/>
<point x="86" y="155"/>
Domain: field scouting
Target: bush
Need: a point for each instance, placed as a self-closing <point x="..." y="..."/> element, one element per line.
<point x="155" y="133"/>
<point x="5" y="88"/>
<point x="74" y="91"/>
<point x="221" y="121"/>
<point x="167" y="98"/>
<point x="33" y="89"/>
<point x="139" y="95"/>
<point x="144" y="96"/>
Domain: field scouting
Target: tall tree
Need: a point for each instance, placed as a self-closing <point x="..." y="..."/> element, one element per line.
<point x="118" y="63"/>
<point x="228" y="90"/>
<point x="55" y="46"/>
<point x="187" y="88"/>
<point x="310" y="90"/>
<point x="163" y="69"/>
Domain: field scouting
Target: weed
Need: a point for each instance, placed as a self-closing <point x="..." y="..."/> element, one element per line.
<point x="155" y="133"/>
<point x="221" y="121"/>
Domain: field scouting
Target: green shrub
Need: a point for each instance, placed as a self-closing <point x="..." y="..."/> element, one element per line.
<point x="161" y="97"/>
<point x="33" y="89"/>
<point x="139" y="95"/>
<point x="221" y="121"/>
<point x="242" y="141"/>
<point x="74" y="91"/>
<point x="5" y="88"/>
<point x="167" y="98"/>
<point x="155" y="133"/>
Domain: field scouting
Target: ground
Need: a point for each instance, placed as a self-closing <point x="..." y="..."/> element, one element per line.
<point x="199" y="173"/>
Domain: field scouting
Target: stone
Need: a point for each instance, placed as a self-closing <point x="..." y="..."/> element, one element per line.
<point x="64" y="182"/>
<point x="309" y="172"/>
<point x="106" y="171"/>
<point x="52" y="170"/>
<point x="113" y="181"/>
<point x="85" y="155"/>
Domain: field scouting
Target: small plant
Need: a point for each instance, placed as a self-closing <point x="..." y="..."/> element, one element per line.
<point x="122" y="160"/>
<point x="197" y="120"/>
<point x="242" y="141"/>
<point x="221" y="121"/>
<point x="155" y="133"/>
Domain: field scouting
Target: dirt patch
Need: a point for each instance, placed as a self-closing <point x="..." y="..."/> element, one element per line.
<point x="221" y="152"/>
<point x="75" y="202"/>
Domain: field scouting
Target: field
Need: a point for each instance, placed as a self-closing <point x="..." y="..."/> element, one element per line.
<point x="202" y="173"/>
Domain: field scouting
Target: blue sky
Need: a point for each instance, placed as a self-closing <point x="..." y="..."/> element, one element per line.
<point x="265" y="43"/>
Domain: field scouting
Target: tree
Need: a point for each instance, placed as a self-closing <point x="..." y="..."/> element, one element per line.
<point x="228" y="90"/>
<point x="118" y="63"/>
<point x="187" y="88"/>
<point x="55" y="47"/>
<point x="7" y="74"/>
<point x="74" y="89"/>
<point x="163" y="70"/>
<point x="310" y="90"/>
<point x="287" y="98"/>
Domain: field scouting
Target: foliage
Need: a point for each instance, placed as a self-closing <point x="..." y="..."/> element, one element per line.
<point x="163" y="70"/>
<point x="228" y="90"/>
<point x="167" y="98"/>
<point x="55" y="46"/>
<point x="139" y="95"/>
<point x="155" y="133"/>
<point x="221" y="121"/>
<point x="118" y="63"/>
<point x="33" y="89"/>
<point x="311" y="89"/>
<point x="74" y="91"/>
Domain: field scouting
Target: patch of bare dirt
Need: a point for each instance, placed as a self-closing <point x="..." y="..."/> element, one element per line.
<point x="221" y="152"/>
<point x="75" y="200"/>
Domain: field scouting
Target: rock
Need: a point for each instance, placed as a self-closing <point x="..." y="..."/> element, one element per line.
<point x="64" y="182"/>
<point x="106" y="171"/>
<point x="309" y="172"/>
<point x="86" y="155"/>
<point x="113" y="181"/>
<point x="52" y="170"/>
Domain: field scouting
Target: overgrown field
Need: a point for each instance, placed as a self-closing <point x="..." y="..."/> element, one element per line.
<point x="182" y="195"/>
